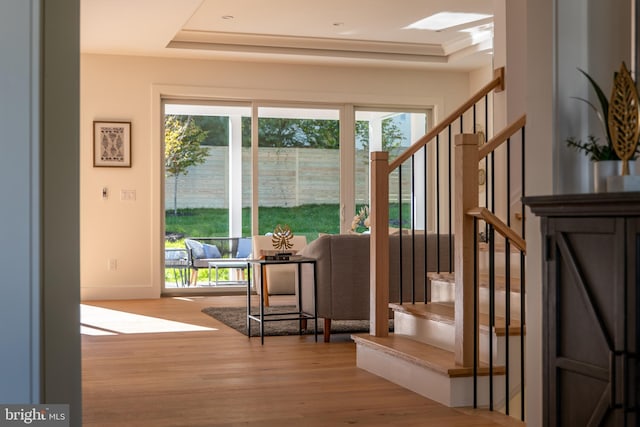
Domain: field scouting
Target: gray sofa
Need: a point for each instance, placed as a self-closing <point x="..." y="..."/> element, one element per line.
<point x="343" y="273"/>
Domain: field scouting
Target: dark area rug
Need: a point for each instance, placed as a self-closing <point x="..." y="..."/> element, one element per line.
<point x="236" y="318"/>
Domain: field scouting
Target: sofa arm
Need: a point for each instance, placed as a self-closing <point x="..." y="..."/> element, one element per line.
<point x="320" y="250"/>
<point x="342" y="264"/>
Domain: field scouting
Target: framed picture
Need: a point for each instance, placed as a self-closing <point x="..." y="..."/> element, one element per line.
<point x="112" y="144"/>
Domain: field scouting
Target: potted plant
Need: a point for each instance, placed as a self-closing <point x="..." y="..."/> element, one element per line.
<point x="603" y="156"/>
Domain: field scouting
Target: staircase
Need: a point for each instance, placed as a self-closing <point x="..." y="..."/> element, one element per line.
<point x="464" y="345"/>
<point x="419" y="354"/>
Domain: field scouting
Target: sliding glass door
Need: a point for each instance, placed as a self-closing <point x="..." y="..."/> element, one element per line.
<point x="207" y="166"/>
<point x="233" y="170"/>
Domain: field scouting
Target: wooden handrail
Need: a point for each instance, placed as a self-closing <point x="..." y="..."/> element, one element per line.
<point x="501" y="227"/>
<point x="501" y="137"/>
<point x="496" y="83"/>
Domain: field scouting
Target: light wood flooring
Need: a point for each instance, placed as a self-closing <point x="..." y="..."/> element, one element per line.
<point x="147" y="376"/>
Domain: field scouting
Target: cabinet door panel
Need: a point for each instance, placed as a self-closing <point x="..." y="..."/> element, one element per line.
<point x="631" y="372"/>
<point x="585" y="273"/>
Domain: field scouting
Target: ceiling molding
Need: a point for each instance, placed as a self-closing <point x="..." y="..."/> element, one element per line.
<point x="307" y="46"/>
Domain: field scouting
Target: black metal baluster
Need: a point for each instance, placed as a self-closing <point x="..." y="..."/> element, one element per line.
<point x="427" y="289"/>
<point x="522" y="178"/>
<point x="400" y="230"/>
<point x="474" y="118"/>
<point x="522" y="283"/>
<point x="507" y="317"/>
<point x="475" y="312"/>
<point x="438" y="203"/>
<point x="413" y="232"/>
<point x="522" y="315"/>
<point x="507" y="274"/>
<point x="492" y="284"/>
<point x="450" y="197"/>
<point x="486" y="159"/>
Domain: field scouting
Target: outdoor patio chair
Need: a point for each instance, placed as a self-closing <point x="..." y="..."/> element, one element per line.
<point x="178" y="260"/>
<point x="199" y="256"/>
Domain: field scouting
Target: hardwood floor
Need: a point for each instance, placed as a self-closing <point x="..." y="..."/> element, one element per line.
<point x="163" y="373"/>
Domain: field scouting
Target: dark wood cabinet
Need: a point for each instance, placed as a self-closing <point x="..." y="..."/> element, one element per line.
<point x="591" y="297"/>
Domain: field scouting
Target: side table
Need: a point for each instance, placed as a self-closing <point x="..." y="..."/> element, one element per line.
<point x="261" y="317"/>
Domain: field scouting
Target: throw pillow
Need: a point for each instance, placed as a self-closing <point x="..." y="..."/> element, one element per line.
<point x="211" y="251"/>
<point x="197" y="251"/>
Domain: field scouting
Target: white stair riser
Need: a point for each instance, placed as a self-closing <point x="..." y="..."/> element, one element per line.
<point x="437" y="334"/>
<point x="500" y="303"/>
<point x="500" y="351"/>
<point x="442" y="335"/>
<point x="452" y="392"/>
<point x="483" y="263"/>
<point x="443" y="291"/>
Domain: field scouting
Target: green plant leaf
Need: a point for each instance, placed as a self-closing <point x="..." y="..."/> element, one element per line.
<point x="604" y="102"/>
<point x="601" y="118"/>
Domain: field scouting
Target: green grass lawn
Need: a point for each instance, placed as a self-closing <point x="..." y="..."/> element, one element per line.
<point x="307" y="220"/>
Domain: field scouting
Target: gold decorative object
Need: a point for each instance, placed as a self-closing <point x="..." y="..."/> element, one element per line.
<point x="623" y="117"/>
<point x="361" y="220"/>
<point x="282" y="236"/>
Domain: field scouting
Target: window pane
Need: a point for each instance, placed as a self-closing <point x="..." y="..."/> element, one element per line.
<point x="391" y="131"/>
<point x="299" y="170"/>
<point x="207" y="176"/>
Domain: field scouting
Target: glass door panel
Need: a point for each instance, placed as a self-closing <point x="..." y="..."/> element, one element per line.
<point x="299" y="170"/>
<point x="207" y="189"/>
<point x="393" y="132"/>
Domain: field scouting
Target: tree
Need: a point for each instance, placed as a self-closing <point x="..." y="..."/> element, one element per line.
<point x="182" y="149"/>
<point x="320" y="133"/>
<point x="392" y="135"/>
<point x="316" y="133"/>
<point x="217" y="128"/>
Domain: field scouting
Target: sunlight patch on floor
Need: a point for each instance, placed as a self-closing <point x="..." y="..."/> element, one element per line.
<point x="103" y="321"/>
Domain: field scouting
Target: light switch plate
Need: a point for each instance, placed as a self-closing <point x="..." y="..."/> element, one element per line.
<point x="128" y="195"/>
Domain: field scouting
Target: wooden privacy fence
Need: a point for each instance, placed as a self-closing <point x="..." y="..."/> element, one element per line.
<point x="288" y="177"/>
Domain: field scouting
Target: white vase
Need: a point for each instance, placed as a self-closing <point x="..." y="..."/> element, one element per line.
<point x="606" y="168"/>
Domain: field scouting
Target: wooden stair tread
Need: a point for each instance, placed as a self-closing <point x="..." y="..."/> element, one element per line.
<point x="425" y="355"/>
<point x="445" y="312"/>
<point x="483" y="278"/>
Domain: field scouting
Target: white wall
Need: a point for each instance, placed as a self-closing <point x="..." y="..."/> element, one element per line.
<point x="594" y="36"/>
<point x="561" y="35"/>
<point x="39" y="213"/>
<point x="539" y="181"/>
<point x="129" y="88"/>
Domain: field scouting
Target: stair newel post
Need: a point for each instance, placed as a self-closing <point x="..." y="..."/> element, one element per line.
<point x="379" y="241"/>
<point x="466" y="198"/>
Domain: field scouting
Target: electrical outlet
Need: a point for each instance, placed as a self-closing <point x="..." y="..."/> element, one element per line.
<point x="113" y="264"/>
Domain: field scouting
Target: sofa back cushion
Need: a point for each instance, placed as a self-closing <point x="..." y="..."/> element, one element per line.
<point x="413" y="256"/>
<point x="343" y="270"/>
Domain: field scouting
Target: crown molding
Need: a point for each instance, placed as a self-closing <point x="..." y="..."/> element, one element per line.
<point x="308" y="46"/>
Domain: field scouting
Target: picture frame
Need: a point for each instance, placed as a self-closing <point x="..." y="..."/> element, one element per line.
<point x="112" y="144"/>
